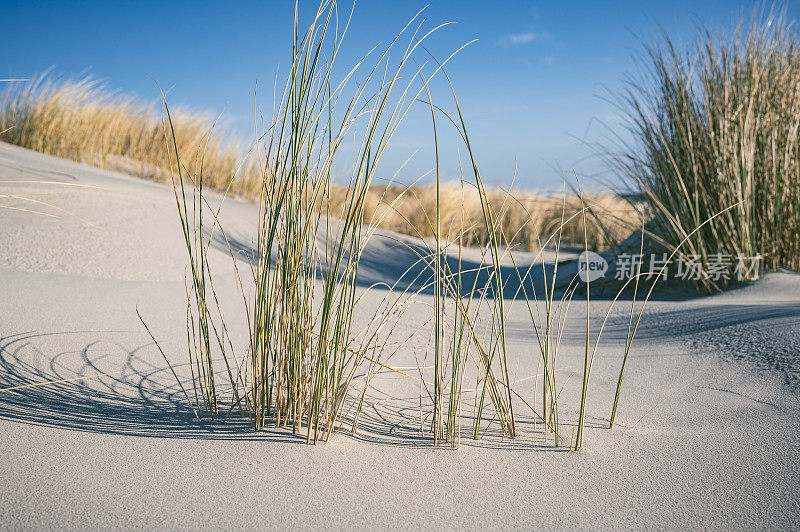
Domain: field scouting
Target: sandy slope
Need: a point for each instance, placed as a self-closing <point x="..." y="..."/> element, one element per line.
<point x="708" y="433"/>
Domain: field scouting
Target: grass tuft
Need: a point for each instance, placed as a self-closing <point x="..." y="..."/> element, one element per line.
<point x="715" y="123"/>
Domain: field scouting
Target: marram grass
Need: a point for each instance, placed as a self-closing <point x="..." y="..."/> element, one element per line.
<point x="303" y="353"/>
<point x="715" y="123"/>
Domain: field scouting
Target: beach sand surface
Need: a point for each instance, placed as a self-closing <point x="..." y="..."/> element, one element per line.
<point x="706" y="435"/>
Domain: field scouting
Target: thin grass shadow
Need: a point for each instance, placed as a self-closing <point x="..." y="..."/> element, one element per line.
<point x="398" y="421"/>
<point x="72" y="390"/>
<point x="141" y="399"/>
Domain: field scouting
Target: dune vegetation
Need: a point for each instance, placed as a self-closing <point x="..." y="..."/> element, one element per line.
<point x="525" y="216"/>
<point x="86" y="121"/>
<point x="715" y="123"/>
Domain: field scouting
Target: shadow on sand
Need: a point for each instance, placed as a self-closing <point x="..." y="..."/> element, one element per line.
<point x="405" y="264"/>
<point x="64" y="391"/>
<point x="139" y="400"/>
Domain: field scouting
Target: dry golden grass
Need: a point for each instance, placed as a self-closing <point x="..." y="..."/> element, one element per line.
<point x="85" y="121"/>
<point x="526" y="218"/>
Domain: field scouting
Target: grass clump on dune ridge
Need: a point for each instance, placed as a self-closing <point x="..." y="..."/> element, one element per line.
<point x="715" y="125"/>
<point x="84" y="121"/>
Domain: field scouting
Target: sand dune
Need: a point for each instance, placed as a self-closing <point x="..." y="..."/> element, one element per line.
<point x="707" y="436"/>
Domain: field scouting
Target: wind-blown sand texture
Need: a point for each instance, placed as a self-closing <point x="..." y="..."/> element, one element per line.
<point x="706" y="436"/>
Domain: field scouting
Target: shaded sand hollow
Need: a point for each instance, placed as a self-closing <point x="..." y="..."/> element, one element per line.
<point x="708" y="424"/>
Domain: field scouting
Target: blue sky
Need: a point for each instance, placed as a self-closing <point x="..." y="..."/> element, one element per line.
<point x="532" y="86"/>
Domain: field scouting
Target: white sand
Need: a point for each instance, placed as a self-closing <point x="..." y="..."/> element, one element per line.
<point x="707" y="436"/>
